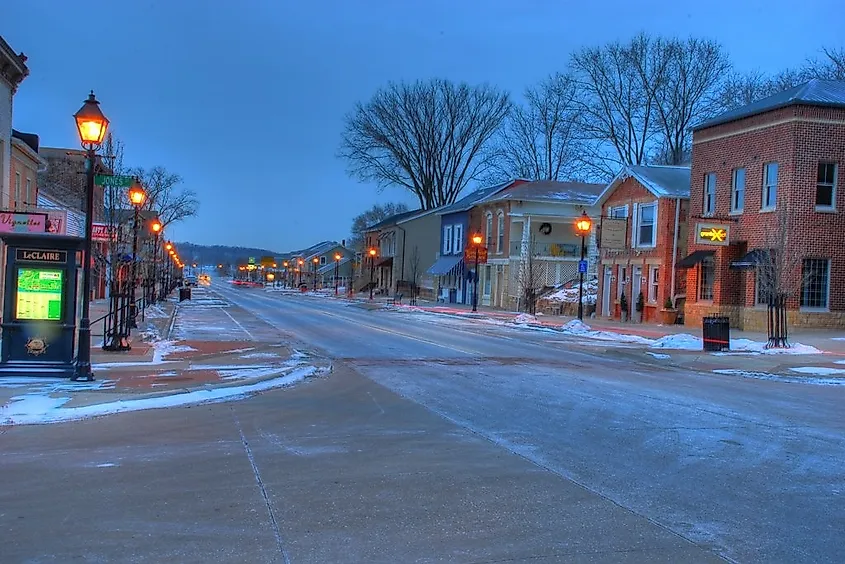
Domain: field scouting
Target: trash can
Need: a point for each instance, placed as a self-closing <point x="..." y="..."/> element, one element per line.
<point x="716" y="333"/>
<point x="184" y="293"/>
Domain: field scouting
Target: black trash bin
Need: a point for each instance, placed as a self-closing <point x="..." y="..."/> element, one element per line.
<point x="716" y="333"/>
<point x="184" y="293"/>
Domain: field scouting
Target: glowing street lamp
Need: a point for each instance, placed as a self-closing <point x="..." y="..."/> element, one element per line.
<point x="316" y="261"/>
<point x="337" y="258"/>
<point x="299" y="270"/>
<point x="92" y="126"/>
<point x="137" y="197"/>
<point x="156" y="228"/>
<point x="583" y="225"/>
<point x="372" y="253"/>
<point x="476" y="242"/>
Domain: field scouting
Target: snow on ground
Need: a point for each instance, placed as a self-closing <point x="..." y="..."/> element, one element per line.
<point x="524" y="318"/>
<point x="260" y="355"/>
<point x="32" y="409"/>
<point x="581" y="329"/>
<point x="155" y="312"/>
<point x="779" y="378"/>
<point x="659" y="355"/>
<point x="570" y="295"/>
<point x="817" y="370"/>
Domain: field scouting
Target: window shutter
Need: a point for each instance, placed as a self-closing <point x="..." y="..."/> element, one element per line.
<point x="635" y="225"/>
<point x="654" y="228"/>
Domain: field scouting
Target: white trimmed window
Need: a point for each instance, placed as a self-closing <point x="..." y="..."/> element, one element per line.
<point x="738" y="191"/>
<point x="447" y="240"/>
<point x="826" y="187"/>
<point x="815" y="287"/>
<point x="645" y="231"/>
<point x="500" y="231"/>
<point x="459" y="239"/>
<point x="706" y="274"/>
<point x="17" y="190"/>
<point x="322" y="261"/>
<point x="770" y="186"/>
<point x="488" y="232"/>
<point x="619" y="212"/>
<point x="654" y="285"/>
<point x="709" y="204"/>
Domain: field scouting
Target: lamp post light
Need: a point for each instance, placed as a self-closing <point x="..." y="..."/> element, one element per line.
<point x="336" y="270"/>
<point x="137" y="197"/>
<point x="582" y="228"/>
<point x="316" y="261"/>
<point x="92" y="126"/>
<point x="372" y="253"/>
<point x="166" y="289"/>
<point x="301" y="262"/>
<point x="287" y="274"/>
<point x="156" y="227"/>
<point x="476" y="242"/>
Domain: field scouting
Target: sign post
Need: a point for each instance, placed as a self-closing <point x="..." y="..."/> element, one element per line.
<point x="109" y="181"/>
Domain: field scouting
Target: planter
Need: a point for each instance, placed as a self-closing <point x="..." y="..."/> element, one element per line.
<point x="668" y="316"/>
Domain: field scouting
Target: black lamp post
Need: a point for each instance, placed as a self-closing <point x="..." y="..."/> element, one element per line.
<point x="336" y="270"/>
<point x="316" y="261"/>
<point x="137" y="196"/>
<point x="476" y="241"/>
<point x="301" y="264"/>
<point x="156" y="228"/>
<point x="92" y="126"/>
<point x="372" y="269"/>
<point x="582" y="227"/>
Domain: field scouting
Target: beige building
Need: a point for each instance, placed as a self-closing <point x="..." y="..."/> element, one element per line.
<point x="23" y="176"/>
<point x="407" y="244"/>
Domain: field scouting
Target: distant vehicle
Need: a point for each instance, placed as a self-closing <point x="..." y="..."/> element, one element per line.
<point x="190" y="280"/>
<point x="205" y="279"/>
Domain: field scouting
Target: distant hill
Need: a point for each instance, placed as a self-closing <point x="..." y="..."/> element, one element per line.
<point x="217" y="254"/>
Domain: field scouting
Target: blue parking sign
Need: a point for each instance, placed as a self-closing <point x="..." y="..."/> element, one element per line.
<point x="582" y="266"/>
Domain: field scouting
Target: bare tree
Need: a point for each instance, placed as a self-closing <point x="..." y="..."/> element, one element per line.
<point x="686" y="95"/>
<point x="620" y="85"/>
<point x="530" y="277"/>
<point x="377" y="213"/>
<point x="540" y="138"/>
<point x="427" y="137"/>
<point x="166" y="196"/>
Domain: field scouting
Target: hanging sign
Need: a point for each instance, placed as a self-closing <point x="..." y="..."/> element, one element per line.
<point x="712" y="234"/>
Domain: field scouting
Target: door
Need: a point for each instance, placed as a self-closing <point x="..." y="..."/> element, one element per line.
<point x="605" y="291"/>
<point x="488" y="283"/>
<point x="636" y="287"/>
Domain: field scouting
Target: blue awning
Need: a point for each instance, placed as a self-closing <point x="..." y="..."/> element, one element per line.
<point x="444" y="265"/>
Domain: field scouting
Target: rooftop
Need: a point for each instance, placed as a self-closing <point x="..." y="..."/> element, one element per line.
<point x="816" y="92"/>
<point x="393" y="219"/>
<point x="581" y="193"/>
<point x="473" y="198"/>
<point x="662" y="181"/>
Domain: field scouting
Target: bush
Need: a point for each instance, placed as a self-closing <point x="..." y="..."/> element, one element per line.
<point x="668" y="304"/>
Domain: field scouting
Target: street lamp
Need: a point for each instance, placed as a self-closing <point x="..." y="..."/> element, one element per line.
<point x="287" y="275"/>
<point x="582" y="228"/>
<point x="301" y="262"/>
<point x="316" y="261"/>
<point x="372" y="253"/>
<point x="92" y="126"/>
<point x="476" y="242"/>
<point x="137" y="197"/>
<point x="336" y="270"/>
<point x="156" y="227"/>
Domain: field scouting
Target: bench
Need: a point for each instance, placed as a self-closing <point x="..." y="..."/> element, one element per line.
<point x="396" y="299"/>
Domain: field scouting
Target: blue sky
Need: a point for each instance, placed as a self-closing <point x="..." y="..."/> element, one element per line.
<point x="246" y="100"/>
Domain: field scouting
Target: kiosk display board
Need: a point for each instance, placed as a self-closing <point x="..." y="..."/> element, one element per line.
<point x="40" y="294"/>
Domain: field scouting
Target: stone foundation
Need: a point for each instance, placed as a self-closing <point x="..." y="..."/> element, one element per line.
<point x="756" y="319"/>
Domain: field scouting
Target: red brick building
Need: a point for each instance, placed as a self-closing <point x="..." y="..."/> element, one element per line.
<point x="766" y="194"/>
<point x="643" y="233"/>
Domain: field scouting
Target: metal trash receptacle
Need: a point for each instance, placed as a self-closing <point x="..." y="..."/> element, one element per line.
<point x="716" y="333"/>
<point x="184" y="293"/>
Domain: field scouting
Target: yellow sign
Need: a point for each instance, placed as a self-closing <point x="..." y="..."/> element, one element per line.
<point x="710" y="234"/>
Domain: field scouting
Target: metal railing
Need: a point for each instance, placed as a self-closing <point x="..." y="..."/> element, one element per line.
<point x="557" y="249"/>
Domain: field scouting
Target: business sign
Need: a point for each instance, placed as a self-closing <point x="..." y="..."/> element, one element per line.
<point x="39" y="294"/>
<point x="40" y="255"/>
<point x="712" y="234"/>
<point x="251" y="260"/>
<point x="110" y="181"/>
<point x="469" y="256"/>
<point x="613" y="233"/>
<point x="56" y="221"/>
<point x="11" y="222"/>
<point x="103" y="232"/>
<point x="268" y="261"/>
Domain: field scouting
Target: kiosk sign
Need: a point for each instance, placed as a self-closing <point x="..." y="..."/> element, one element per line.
<point x="40" y="294"/>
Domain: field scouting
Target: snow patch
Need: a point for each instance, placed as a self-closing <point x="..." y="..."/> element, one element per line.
<point x="524" y="319"/>
<point x="779" y="378"/>
<point x="659" y="355"/>
<point x="682" y="341"/>
<point x="817" y="370"/>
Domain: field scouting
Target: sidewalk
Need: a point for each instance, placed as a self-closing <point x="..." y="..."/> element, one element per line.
<point x="199" y="350"/>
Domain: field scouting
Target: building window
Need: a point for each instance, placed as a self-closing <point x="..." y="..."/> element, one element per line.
<point x="459" y="239"/>
<point x="500" y="238"/>
<point x="738" y="191"/>
<point x="655" y="283"/>
<point x="619" y="212"/>
<point x="447" y="240"/>
<point x="826" y="187"/>
<point x="488" y="280"/>
<point x="706" y="273"/>
<point x="29" y="195"/>
<point x="770" y="186"/>
<point x="709" y="193"/>
<point x="623" y="279"/>
<point x="17" y="190"/>
<point x="763" y="284"/>
<point x="815" y="274"/>
<point x="489" y="231"/>
<point x="645" y="225"/>
<point x="322" y="261"/>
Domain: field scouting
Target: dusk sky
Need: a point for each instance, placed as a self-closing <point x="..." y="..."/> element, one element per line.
<point x="246" y="100"/>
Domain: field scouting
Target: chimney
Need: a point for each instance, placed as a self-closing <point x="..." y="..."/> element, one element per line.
<point x="343" y="242"/>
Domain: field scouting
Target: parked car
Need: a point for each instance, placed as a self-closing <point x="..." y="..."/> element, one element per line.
<point x="190" y="280"/>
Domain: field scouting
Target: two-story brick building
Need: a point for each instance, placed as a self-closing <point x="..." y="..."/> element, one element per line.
<point x="643" y="233"/>
<point x="766" y="191"/>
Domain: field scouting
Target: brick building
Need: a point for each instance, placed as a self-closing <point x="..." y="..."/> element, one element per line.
<point x="766" y="194"/>
<point x="644" y="213"/>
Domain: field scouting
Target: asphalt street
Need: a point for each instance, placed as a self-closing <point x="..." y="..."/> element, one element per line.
<point x="440" y="440"/>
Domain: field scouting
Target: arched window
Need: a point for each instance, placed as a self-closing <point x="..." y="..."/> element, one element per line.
<point x="500" y="239"/>
<point x="489" y="230"/>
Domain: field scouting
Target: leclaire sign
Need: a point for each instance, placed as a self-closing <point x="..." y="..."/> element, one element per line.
<point x="102" y="232"/>
<point x="613" y="233"/>
<point x="469" y="256"/>
<point x="11" y="222"/>
<point x="712" y="234"/>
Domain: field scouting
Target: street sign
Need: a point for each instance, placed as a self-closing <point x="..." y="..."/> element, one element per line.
<point x="582" y="266"/>
<point x="113" y="181"/>
<point x="469" y="256"/>
<point x="251" y="260"/>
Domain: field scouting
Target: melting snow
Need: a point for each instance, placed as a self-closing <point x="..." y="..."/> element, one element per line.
<point x="779" y="378"/>
<point x="659" y="355"/>
<point x="817" y="370"/>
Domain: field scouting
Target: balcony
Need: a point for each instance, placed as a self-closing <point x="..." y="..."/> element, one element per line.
<point x="548" y="249"/>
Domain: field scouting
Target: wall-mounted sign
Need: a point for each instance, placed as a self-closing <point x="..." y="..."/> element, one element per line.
<point x="103" y="232"/>
<point x="613" y="233"/>
<point x="469" y="256"/>
<point x="40" y="255"/>
<point x="39" y="294"/>
<point x="712" y="234"/>
<point x="11" y="222"/>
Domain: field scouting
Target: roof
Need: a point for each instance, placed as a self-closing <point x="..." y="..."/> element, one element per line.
<point x="321" y="247"/>
<point x="12" y="65"/>
<point x="662" y="181"/>
<point x="553" y="191"/>
<point x="816" y="92"/>
<point x="392" y="220"/>
<point x="466" y="203"/>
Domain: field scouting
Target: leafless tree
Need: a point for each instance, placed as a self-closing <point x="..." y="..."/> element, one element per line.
<point x="530" y="277"/>
<point x="375" y="214"/>
<point x="166" y="196"/>
<point x="687" y="93"/>
<point x="738" y="89"/>
<point x="830" y="67"/>
<point x="426" y="136"/>
<point x="540" y="140"/>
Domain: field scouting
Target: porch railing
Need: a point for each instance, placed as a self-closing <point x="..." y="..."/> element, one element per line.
<point x="556" y="250"/>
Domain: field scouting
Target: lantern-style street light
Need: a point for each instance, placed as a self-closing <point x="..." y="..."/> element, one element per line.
<point x="372" y="253"/>
<point x="92" y="126"/>
<point x="336" y="270"/>
<point x="476" y="242"/>
<point x="301" y="262"/>
<point x="156" y="228"/>
<point x="316" y="261"/>
<point x="137" y="197"/>
<point x="286" y="281"/>
<point x="582" y="227"/>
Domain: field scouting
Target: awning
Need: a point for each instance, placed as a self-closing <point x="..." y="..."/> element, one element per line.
<point x="388" y="261"/>
<point x="752" y="259"/>
<point x="444" y="265"/>
<point x="694" y="258"/>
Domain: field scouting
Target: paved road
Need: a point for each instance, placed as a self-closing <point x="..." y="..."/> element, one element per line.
<point x="440" y="440"/>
